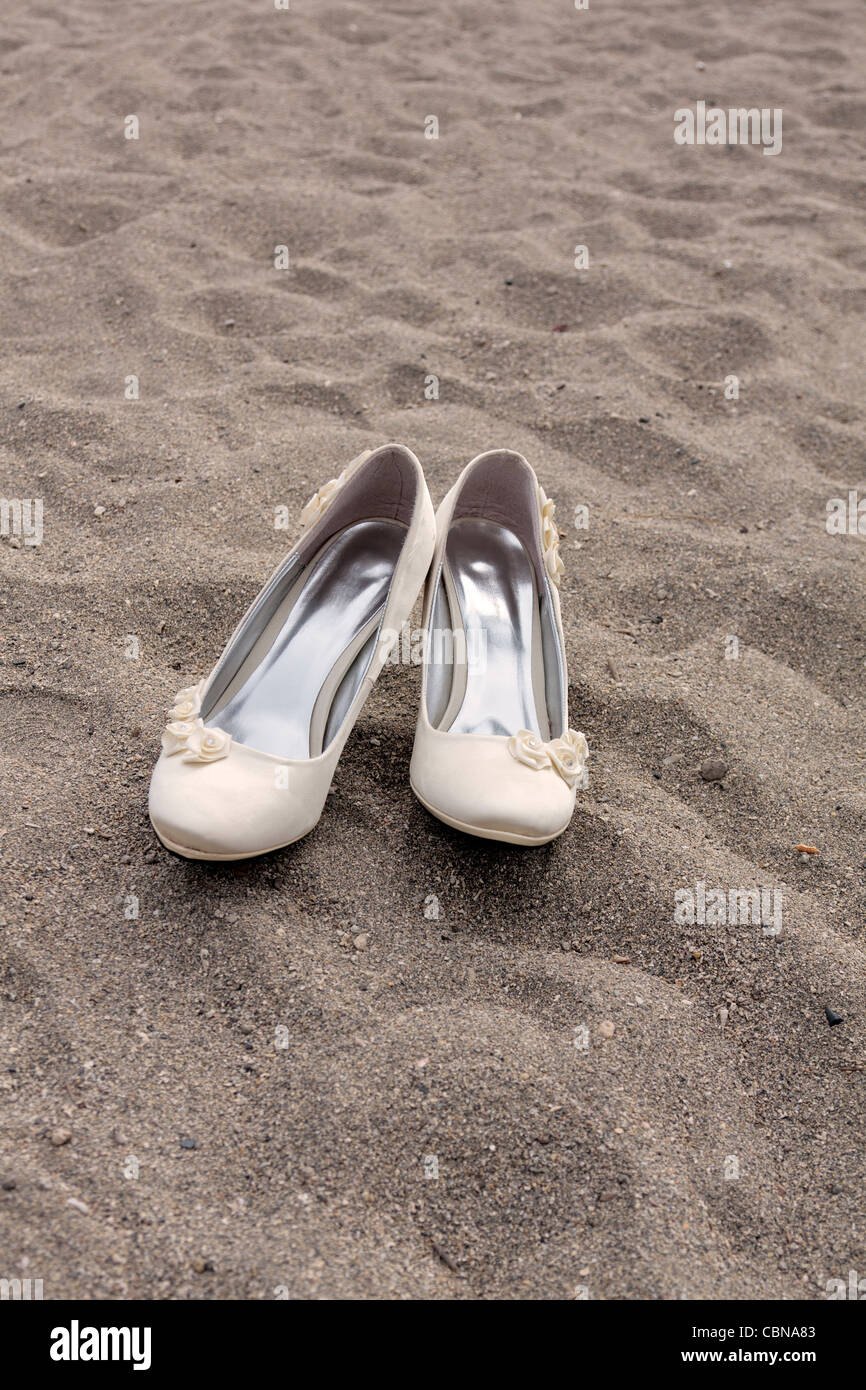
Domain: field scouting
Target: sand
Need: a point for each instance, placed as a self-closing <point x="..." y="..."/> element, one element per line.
<point x="618" y="1105"/>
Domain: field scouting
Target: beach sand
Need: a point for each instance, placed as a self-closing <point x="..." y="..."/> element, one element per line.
<point x="618" y="1105"/>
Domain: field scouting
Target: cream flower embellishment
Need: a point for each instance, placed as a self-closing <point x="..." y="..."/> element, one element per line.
<point x="177" y="733"/>
<point x="210" y="745"/>
<point x="528" y="748"/>
<point x="549" y="536"/>
<point x="324" y="497"/>
<point x="195" y="742"/>
<point x="187" y="703"/>
<point x="185" y="731"/>
<point x="567" y="755"/>
<point x="320" y="500"/>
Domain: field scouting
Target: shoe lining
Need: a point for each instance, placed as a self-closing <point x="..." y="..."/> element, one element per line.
<point x="293" y="688"/>
<point x="489" y="580"/>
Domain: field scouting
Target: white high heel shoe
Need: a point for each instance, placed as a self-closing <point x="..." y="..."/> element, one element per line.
<point x="249" y="753"/>
<point x="493" y="754"/>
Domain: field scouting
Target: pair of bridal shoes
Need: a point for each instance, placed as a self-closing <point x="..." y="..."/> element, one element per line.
<point x="249" y="753"/>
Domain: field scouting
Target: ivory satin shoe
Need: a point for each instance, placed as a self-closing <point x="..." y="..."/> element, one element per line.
<point x="249" y="753"/>
<point x="493" y="754"/>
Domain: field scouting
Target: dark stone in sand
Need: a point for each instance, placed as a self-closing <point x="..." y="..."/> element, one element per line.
<point x="713" y="769"/>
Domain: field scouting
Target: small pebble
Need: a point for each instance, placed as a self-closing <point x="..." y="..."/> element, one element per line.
<point x="606" y="1029"/>
<point x="187" y="1143"/>
<point x="832" y="1017"/>
<point x="713" y="769"/>
<point x="78" y="1205"/>
<point x="60" y="1136"/>
<point x="362" y="941"/>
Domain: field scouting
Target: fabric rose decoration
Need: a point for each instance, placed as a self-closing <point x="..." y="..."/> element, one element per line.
<point x="567" y="755"/>
<point x="528" y="748"/>
<point x="319" y="500"/>
<point x="177" y="733"/>
<point x="187" y="703"/>
<point x="326" y="494"/>
<point x="550" y="536"/>
<point x="195" y="742"/>
<point x="210" y="745"/>
<point x="185" y="732"/>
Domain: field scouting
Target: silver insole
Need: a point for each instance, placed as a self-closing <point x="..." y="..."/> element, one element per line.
<point x="494" y="586"/>
<point x="323" y="640"/>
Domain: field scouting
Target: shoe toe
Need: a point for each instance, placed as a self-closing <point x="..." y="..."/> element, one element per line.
<point x="230" y="809"/>
<point x="475" y="783"/>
